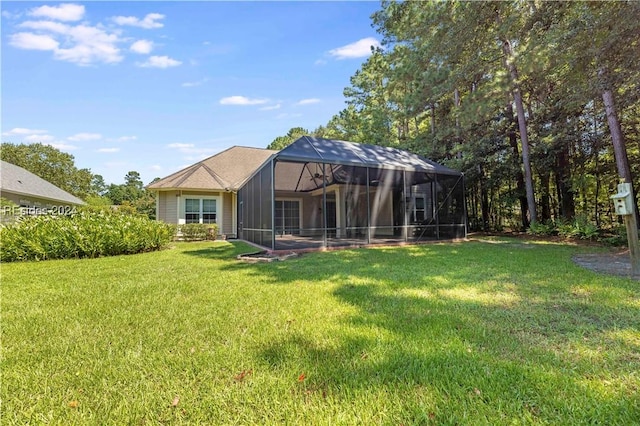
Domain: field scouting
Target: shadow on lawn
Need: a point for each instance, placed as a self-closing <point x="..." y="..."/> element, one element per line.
<point x="220" y="250"/>
<point x="534" y="352"/>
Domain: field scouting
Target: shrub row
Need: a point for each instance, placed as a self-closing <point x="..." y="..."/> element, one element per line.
<point x="198" y="231"/>
<point x="81" y="235"/>
<point x="579" y="228"/>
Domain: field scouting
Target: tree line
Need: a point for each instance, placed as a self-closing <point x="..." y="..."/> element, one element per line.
<point x="59" y="168"/>
<point x="538" y="103"/>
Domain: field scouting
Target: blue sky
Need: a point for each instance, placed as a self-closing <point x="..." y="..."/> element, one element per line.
<point x="156" y="86"/>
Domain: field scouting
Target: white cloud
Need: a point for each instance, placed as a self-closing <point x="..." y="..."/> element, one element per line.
<point x="54" y="28"/>
<point x="108" y="150"/>
<point x="63" y="12"/>
<point x="144" y="47"/>
<point x="32" y="41"/>
<point x="83" y="137"/>
<point x="155" y="167"/>
<point x="122" y="139"/>
<point x="51" y="26"/>
<point x="115" y="164"/>
<point x="195" y="83"/>
<point x="195" y="158"/>
<point x="358" y="49"/>
<point x="38" y="138"/>
<point x="287" y="115"/>
<point x="270" y="107"/>
<point x="63" y="146"/>
<point x="148" y="22"/>
<point x="159" y="62"/>
<point x="180" y="145"/>
<point x="241" y="100"/>
<point x="91" y="44"/>
<point x="80" y="44"/>
<point x="308" y="101"/>
<point x="18" y="131"/>
<point x="25" y="135"/>
<point x="10" y="15"/>
<point x="189" y="148"/>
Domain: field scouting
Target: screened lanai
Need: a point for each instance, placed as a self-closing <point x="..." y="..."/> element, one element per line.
<point x="319" y="193"/>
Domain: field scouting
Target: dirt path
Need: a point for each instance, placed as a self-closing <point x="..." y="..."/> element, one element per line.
<point x="606" y="263"/>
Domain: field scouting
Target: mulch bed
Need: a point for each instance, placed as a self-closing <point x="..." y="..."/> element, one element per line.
<point x="607" y="263"/>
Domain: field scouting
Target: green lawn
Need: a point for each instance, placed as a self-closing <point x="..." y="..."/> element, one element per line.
<point x="499" y="331"/>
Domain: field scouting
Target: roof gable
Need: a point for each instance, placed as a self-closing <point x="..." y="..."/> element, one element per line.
<point x="226" y="170"/>
<point x="15" y="179"/>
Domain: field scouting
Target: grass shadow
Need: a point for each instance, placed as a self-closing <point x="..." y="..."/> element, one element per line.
<point x="218" y="250"/>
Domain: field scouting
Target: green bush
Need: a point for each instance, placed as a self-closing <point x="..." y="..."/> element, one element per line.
<point x="199" y="231"/>
<point x="81" y="235"/>
<point x="542" y="229"/>
<point x="616" y="236"/>
<point x="580" y="227"/>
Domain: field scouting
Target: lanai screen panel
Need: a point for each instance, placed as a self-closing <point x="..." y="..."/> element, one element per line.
<point x="255" y="208"/>
<point x="451" y="207"/>
<point x="330" y="193"/>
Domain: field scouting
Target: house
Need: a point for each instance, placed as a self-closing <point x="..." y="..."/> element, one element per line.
<point x="32" y="192"/>
<point x="318" y="193"/>
<point x="206" y="192"/>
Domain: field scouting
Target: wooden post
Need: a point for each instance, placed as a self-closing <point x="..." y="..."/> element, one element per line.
<point x="630" y="221"/>
<point x="634" y="246"/>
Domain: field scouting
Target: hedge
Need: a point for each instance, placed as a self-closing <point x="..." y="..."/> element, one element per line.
<point x="86" y="234"/>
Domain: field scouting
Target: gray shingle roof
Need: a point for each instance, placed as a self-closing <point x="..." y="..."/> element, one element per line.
<point x="226" y="170"/>
<point x="319" y="150"/>
<point x="20" y="181"/>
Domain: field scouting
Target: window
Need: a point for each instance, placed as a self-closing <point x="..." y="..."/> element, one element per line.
<point x="287" y="217"/>
<point x="198" y="210"/>
<point x="208" y="211"/>
<point x="192" y="210"/>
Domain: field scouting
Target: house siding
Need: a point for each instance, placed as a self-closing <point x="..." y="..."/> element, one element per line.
<point x="167" y="206"/>
<point x="227" y="215"/>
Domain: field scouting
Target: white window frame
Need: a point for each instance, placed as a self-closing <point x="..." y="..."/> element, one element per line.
<point x="200" y="198"/>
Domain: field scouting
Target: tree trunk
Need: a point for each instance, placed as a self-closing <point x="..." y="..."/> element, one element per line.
<point x="545" y="198"/>
<point x="456" y="99"/>
<point x="433" y="120"/>
<point x="484" y="200"/>
<point x="622" y="163"/>
<point x="596" y="159"/>
<point x="522" y="126"/>
<point x="563" y="178"/>
<point x="513" y="142"/>
<point x="619" y="149"/>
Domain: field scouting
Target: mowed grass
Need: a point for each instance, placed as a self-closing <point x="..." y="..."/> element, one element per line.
<point x="498" y="331"/>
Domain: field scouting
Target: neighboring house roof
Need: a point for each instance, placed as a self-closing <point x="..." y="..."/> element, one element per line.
<point x="20" y="181"/>
<point x="318" y="150"/>
<point x="227" y="170"/>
